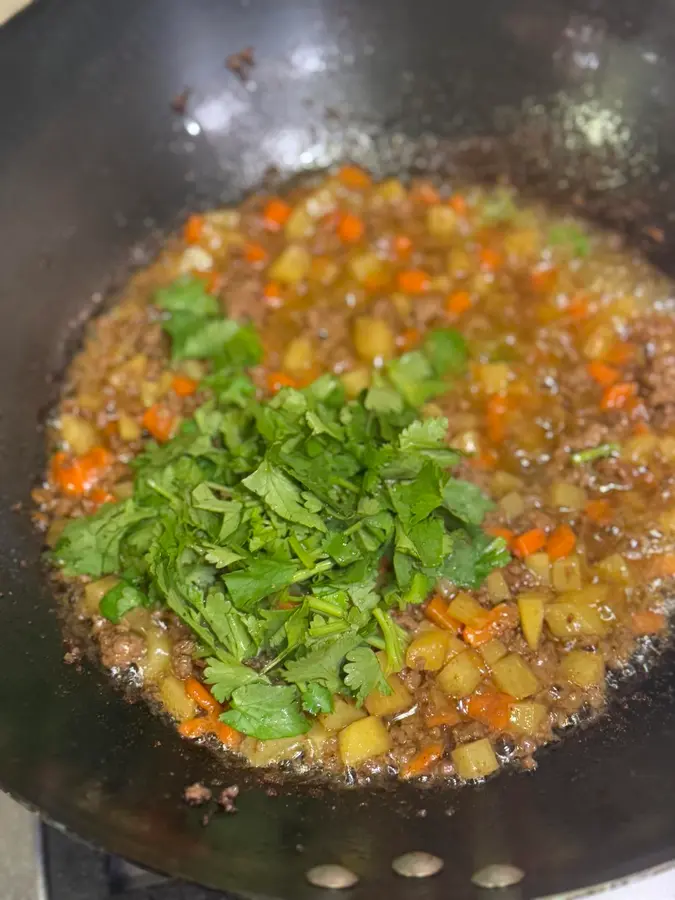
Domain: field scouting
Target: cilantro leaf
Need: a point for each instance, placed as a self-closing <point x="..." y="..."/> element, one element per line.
<point x="120" y="599"/>
<point x="266" y="711"/>
<point x="187" y="295"/>
<point x="466" y="501"/>
<point x="363" y="674"/>
<point x="259" y="579"/>
<point x="226" y="675"/>
<point x="316" y="698"/>
<point x="447" y="351"/>
<point x="281" y="495"/>
<point x="323" y="662"/>
<point x="571" y="236"/>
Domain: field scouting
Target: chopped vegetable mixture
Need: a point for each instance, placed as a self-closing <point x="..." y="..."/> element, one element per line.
<point x="372" y="478"/>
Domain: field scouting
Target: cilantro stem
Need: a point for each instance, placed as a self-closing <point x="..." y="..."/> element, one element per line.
<point x="323" y="606"/>
<point x="305" y="558"/>
<point x="376" y="642"/>
<point x="306" y="574"/>
<point x="328" y="629"/>
<point x="347" y="485"/>
<point x="161" y="491"/>
<point x="392" y="642"/>
<point x="602" y="451"/>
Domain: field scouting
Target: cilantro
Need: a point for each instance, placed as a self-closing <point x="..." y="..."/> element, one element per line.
<point x="602" y="451"/>
<point x="363" y="674"/>
<point x="263" y="525"/>
<point x="571" y="237"/>
<point x="266" y="711"/>
<point x="120" y="599"/>
<point x="498" y="206"/>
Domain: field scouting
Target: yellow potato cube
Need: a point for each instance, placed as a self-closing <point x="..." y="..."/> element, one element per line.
<point x="363" y="740"/>
<point x="462" y="675"/>
<point x="583" y="668"/>
<point x="513" y="676"/>
<point x="344" y="713"/>
<point x="531" y="610"/>
<point x="379" y="704"/>
<point x="475" y="760"/>
<point x="428" y="651"/>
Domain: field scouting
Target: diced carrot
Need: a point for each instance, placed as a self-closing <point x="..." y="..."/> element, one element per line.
<point x="491" y="259"/>
<point x="491" y="708"/>
<point x="436" y="611"/>
<point x="275" y="214"/>
<point x="422" y="761"/>
<point x="641" y="427"/>
<point x="457" y="303"/>
<point x="486" y="459"/>
<point x="495" y="417"/>
<point x="66" y="474"/>
<point x="662" y="566"/>
<point x="226" y="734"/>
<point x="211" y="280"/>
<point x="408" y="339"/>
<point x="578" y="308"/>
<point x="194" y="229"/>
<point x="278" y="380"/>
<point x="273" y="295"/>
<point x="458" y="203"/>
<point x="440" y="717"/>
<point x="648" y="622"/>
<point x="413" y="281"/>
<point x="621" y="353"/>
<point x="496" y="620"/>
<point x="350" y="228"/>
<point x="618" y="396"/>
<point x="184" y="386"/>
<point x="529" y="542"/>
<point x="160" y="422"/>
<point x="354" y="178"/>
<point x="194" y="728"/>
<point x="505" y="533"/>
<point x="425" y="192"/>
<point x="602" y="373"/>
<point x="401" y="245"/>
<point x="202" y="696"/>
<point x="99" y="496"/>
<point x="255" y="253"/>
<point x="110" y="428"/>
<point x="543" y="280"/>
<point x="598" y="511"/>
<point x="561" y="542"/>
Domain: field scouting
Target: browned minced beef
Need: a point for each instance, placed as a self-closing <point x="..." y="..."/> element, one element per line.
<point x="120" y="647"/>
<point x="197" y="794"/>
<point x="227" y="798"/>
<point x="656" y="335"/>
<point x="181" y="658"/>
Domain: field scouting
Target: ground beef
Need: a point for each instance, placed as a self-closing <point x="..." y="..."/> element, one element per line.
<point x="227" y="798"/>
<point x="181" y="658"/>
<point x="120" y="647"/>
<point x="656" y="335"/>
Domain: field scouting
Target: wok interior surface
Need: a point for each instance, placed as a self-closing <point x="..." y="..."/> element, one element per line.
<point x="572" y="102"/>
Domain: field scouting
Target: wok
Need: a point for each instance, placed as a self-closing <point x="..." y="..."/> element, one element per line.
<point x="573" y="101"/>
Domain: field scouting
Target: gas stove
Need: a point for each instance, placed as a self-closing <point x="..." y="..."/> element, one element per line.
<point x="38" y="862"/>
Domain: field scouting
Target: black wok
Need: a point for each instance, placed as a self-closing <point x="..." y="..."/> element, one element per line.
<point x="93" y="163"/>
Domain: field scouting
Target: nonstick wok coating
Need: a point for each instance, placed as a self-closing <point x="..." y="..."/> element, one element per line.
<point x="94" y="163"/>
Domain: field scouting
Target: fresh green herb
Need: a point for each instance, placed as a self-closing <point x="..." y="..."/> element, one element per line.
<point x="498" y="206"/>
<point x="263" y="525"/>
<point x="602" y="451"/>
<point x="570" y="236"/>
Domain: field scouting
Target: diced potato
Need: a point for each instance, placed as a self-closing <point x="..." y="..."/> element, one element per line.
<point x="522" y="242"/>
<point x="614" y="568"/>
<point x="667" y="520"/>
<point x="157" y="660"/>
<point x="344" y="713"/>
<point x="512" y="505"/>
<point x="570" y="620"/>
<point x="390" y="191"/>
<point x="195" y="259"/>
<point x="317" y="737"/>
<point x="300" y="224"/>
<point x="174" y="698"/>
<point x="527" y="717"/>
<point x="462" y="675"/>
<point x="401" y="303"/>
<point x="455" y="646"/>
<point x="531" y="610"/>
<point x="567" y="496"/>
<point x="226" y="219"/>
<point x="640" y="448"/>
<point x="667" y="448"/>
<point x="591" y="595"/>
<point x="79" y="434"/>
<point x="459" y="262"/>
<point x="494" y="377"/>
<point x="513" y="676"/>
<point x="373" y="338"/>
<point x="441" y="221"/>
<point x="540" y="566"/>
<point x="475" y="760"/>
<point x="566" y="573"/>
<point x="129" y="429"/>
<point x="428" y="650"/>
<point x="95" y="591"/>
<point x="355" y="381"/>
<point x="365" y="266"/>
<point x="497" y="586"/>
<point x="324" y="270"/>
<point x="299" y="356"/>
<point x="492" y="651"/>
<point x="363" y="740"/>
<point x="466" y="609"/>
<point x="292" y="265"/>
<point x="267" y="753"/>
<point x="599" y="341"/>
<point x="379" y="704"/>
<point x="583" y="668"/>
<point x="466" y="441"/>
<point x="505" y="483"/>
<point x="322" y="201"/>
